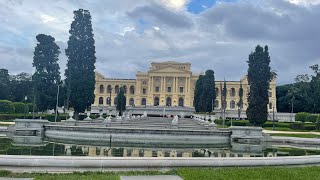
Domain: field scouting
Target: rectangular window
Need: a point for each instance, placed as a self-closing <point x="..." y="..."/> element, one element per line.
<point x="157" y="88"/>
<point x="169" y="89"/>
<point x="144" y="91"/>
<point x="181" y="89"/>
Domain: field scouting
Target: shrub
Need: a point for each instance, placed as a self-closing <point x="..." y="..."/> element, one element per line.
<point x="310" y="127"/>
<point x="20" y="107"/>
<point x="241" y="123"/>
<point x="297" y="126"/>
<point x="301" y="116"/>
<point x="312" y="118"/>
<point x="276" y="124"/>
<point x="51" y="117"/>
<point x="6" y="106"/>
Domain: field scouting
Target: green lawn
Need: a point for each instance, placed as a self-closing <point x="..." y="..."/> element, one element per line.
<point x="297" y="135"/>
<point x="274" y="173"/>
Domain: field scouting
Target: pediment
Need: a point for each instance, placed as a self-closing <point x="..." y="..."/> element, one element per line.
<point x="169" y="69"/>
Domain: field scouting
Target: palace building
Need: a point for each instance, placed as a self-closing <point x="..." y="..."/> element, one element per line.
<point x="169" y="84"/>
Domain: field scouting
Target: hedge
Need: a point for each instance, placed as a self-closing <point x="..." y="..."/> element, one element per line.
<point x="6" y="106"/>
<point x="312" y="118"/>
<point x="301" y="116"/>
<point x="276" y="124"/>
<point x="20" y="107"/>
<point x="297" y="126"/>
<point x="310" y="127"/>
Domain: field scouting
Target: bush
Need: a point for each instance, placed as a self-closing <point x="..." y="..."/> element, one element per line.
<point x="241" y="123"/>
<point x="20" y="107"/>
<point x="6" y="106"/>
<point x="301" y="116"/>
<point x="276" y="124"/>
<point x="51" y="117"/>
<point x="310" y="127"/>
<point x="312" y="118"/>
<point x="297" y="126"/>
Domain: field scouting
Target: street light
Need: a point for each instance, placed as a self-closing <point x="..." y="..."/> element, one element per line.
<point x="55" y="118"/>
<point x="25" y="106"/>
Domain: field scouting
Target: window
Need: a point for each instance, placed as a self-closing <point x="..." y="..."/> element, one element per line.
<point x="144" y="91"/>
<point x="157" y="88"/>
<point x="125" y="89"/>
<point x="232" y="104"/>
<point x="144" y="82"/>
<point x="109" y="89"/>
<point x="169" y="89"/>
<point x="143" y="101"/>
<point x="131" y="102"/>
<point x="232" y="92"/>
<point x="181" y="89"/>
<point x="217" y="91"/>
<point x="131" y="89"/>
<point x="101" y="89"/>
<point x="116" y="89"/>
<point x="100" y="100"/>
<point x="270" y="105"/>
<point x="216" y="104"/>
<point x="270" y="94"/>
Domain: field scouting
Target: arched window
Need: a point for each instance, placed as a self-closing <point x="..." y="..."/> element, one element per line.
<point x="144" y="82"/>
<point x="232" y="104"/>
<point x="116" y="89"/>
<point x="156" y="101"/>
<point x="270" y="106"/>
<point x="181" y="102"/>
<point x="168" y="101"/>
<point x="131" y="101"/>
<point x="232" y="92"/>
<point x="101" y="88"/>
<point x="143" y="102"/>
<point x="109" y="89"/>
<point x="216" y="103"/>
<point x="131" y="89"/>
<point x="124" y="89"/>
<point x="108" y="100"/>
<point x="217" y="91"/>
<point x="100" y="100"/>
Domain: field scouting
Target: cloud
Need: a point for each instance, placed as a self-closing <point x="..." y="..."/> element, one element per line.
<point x="131" y="34"/>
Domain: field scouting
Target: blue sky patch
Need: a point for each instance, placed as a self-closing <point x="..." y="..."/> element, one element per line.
<point x="197" y="6"/>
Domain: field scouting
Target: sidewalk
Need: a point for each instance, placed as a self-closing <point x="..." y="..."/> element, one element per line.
<point x="288" y="132"/>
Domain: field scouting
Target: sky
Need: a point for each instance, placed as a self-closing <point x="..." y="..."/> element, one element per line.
<point x="129" y="35"/>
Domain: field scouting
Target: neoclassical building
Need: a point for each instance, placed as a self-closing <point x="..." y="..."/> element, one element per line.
<point x="169" y="84"/>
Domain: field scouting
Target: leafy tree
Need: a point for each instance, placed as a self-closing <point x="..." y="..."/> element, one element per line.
<point x="21" y="87"/>
<point x="205" y="93"/>
<point x="47" y="76"/>
<point x="4" y="84"/>
<point x="259" y="77"/>
<point x="197" y="93"/>
<point x="121" y="101"/>
<point x="240" y="102"/>
<point x="80" y="77"/>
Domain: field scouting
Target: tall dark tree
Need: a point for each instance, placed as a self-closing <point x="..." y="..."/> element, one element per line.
<point x="121" y="101"/>
<point x="259" y="77"/>
<point x="47" y="76"/>
<point x="80" y="76"/>
<point x="205" y="94"/>
<point x="4" y="84"/>
<point x="240" y="102"/>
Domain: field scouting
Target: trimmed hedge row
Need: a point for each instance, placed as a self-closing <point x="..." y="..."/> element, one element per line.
<point x="307" y="117"/>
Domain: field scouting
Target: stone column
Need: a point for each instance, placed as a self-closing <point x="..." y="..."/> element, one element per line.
<point x="186" y="86"/>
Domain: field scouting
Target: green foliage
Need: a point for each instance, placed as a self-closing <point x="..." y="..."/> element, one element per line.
<point x="297" y="125"/>
<point x="121" y="101"/>
<point x="80" y="76"/>
<point x="312" y="118"/>
<point x="277" y="124"/>
<point x="205" y="94"/>
<point x="301" y="116"/>
<point x="6" y="106"/>
<point x="50" y="117"/>
<point x="47" y="76"/>
<point x="21" y="87"/>
<point x="4" y="84"/>
<point x="310" y="127"/>
<point x="20" y="107"/>
<point x="259" y="77"/>
<point x="297" y="135"/>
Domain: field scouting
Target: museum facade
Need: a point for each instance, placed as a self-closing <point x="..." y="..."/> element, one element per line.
<point x="169" y="84"/>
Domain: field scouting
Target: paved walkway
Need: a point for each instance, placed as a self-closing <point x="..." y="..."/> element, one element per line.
<point x="157" y="177"/>
<point x="7" y="123"/>
<point x="288" y="132"/>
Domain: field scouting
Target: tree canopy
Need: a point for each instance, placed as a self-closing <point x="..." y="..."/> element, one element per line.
<point x="80" y="75"/>
<point x="47" y="76"/>
<point x="259" y="77"/>
<point x="205" y="94"/>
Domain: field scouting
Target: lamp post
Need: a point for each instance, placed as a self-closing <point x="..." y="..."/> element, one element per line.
<point x="56" y="115"/>
<point x="273" y="128"/>
<point x="25" y="107"/>
<point x="110" y="90"/>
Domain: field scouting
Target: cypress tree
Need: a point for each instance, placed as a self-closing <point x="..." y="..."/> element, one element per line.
<point x="4" y="84"/>
<point x="121" y="101"/>
<point x="80" y="76"/>
<point x="197" y="93"/>
<point x="259" y="77"/>
<point x="47" y="76"/>
<point x="240" y="103"/>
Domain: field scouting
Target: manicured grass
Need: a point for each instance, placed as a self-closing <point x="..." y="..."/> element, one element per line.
<point x="273" y="173"/>
<point x="297" y="135"/>
<point x="5" y="124"/>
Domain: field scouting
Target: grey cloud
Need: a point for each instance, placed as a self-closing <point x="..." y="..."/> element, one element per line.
<point x="161" y="16"/>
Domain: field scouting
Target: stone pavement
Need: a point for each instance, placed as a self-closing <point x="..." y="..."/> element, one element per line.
<point x="288" y="132"/>
<point x="157" y="177"/>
